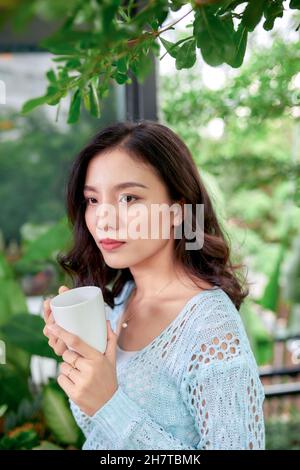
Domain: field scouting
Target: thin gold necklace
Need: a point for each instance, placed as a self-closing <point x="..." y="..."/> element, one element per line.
<point x="125" y="323"/>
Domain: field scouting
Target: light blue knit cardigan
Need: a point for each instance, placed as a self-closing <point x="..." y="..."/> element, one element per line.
<point x="195" y="386"/>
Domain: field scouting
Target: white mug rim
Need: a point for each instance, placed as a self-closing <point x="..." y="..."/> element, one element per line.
<point x="96" y="288"/>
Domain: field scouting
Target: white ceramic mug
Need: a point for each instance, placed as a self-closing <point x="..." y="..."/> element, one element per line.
<point x="81" y="311"/>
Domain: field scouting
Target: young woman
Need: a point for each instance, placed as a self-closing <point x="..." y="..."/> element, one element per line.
<point x="178" y="371"/>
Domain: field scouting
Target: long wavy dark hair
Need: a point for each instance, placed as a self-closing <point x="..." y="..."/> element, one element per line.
<point x="157" y="145"/>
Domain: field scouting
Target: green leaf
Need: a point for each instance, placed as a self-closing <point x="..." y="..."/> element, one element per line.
<point x="253" y="13"/>
<point x="261" y="341"/>
<point x="295" y="4"/>
<point x="52" y="97"/>
<point x="292" y="274"/>
<point x="46" y="445"/>
<point x="58" y="415"/>
<point x="142" y="66"/>
<point x="186" y="56"/>
<point x="21" y="441"/>
<point x="272" y="11"/>
<point x="46" y="246"/>
<point x="69" y="41"/>
<point x="122" y="65"/>
<point x="240" y="39"/>
<point x="27" y="412"/>
<point x="170" y="47"/>
<point x="14" y="386"/>
<point x="121" y="78"/>
<point x="175" y="5"/>
<point x="108" y="13"/>
<point x="86" y="100"/>
<point x="215" y="37"/>
<point x="271" y="294"/>
<point x="74" y="111"/>
<point x="12" y="298"/>
<point x="26" y="332"/>
<point x="51" y="76"/>
<point x="3" y="409"/>
<point x="94" y="100"/>
<point x="16" y="357"/>
<point x="33" y="103"/>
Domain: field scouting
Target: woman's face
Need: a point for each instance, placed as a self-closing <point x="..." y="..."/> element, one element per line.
<point x="127" y="213"/>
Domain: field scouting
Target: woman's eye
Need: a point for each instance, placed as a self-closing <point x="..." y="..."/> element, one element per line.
<point x="128" y="196"/>
<point x="90" y="199"/>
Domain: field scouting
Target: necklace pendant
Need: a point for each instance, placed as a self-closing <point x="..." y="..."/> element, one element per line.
<point x="124" y="325"/>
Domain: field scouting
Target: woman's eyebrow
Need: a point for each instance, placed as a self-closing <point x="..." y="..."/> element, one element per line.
<point x="128" y="184"/>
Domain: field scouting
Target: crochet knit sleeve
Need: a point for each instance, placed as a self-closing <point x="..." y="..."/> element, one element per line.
<point x="220" y="387"/>
<point x="226" y="402"/>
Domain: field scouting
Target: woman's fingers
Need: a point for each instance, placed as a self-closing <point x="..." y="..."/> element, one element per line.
<point x="63" y="289"/>
<point x="52" y="340"/>
<point x="47" y="308"/>
<point x="58" y="346"/>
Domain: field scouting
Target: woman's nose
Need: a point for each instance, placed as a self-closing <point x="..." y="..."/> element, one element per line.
<point x="106" y="216"/>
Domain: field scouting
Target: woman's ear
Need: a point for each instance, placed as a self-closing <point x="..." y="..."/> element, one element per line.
<point x="178" y="213"/>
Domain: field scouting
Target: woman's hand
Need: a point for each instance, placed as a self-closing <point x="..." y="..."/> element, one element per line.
<point x="56" y="343"/>
<point x="87" y="376"/>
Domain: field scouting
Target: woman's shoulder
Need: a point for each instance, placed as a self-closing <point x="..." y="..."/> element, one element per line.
<point x="215" y="328"/>
<point x="211" y="306"/>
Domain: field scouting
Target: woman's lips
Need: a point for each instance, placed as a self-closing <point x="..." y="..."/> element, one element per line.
<point x="111" y="245"/>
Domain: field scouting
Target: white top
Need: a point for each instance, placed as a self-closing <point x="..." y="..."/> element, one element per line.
<point x="122" y="355"/>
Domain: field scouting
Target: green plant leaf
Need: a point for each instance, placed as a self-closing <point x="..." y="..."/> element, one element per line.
<point x="272" y="11"/>
<point x="86" y="100"/>
<point x="45" y="247"/>
<point x="94" y="100"/>
<point x="171" y="47"/>
<point x="3" y="409"/>
<point x="46" y="445"/>
<point x="122" y="65"/>
<point x="28" y="411"/>
<point x="292" y="274"/>
<point x="240" y="39"/>
<point x="295" y="4"/>
<point x="33" y="103"/>
<point x="253" y="13"/>
<point x="121" y="78"/>
<point x="215" y="37"/>
<point x="271" y="294"/>
<point x="186" y="55"/>
<point x="22" y="441"/>
<point x="175" y="5"/>
<point x="58" y="415"/>
<point x="16" y="357"/>
<point x="26" y="332"/>
<point x="74" y="111"/>
<point x="14" y="387"/>
<point x="12" y="298"/>
<point x="142" y="66"/>
<point x="261" y="341"/>
<point x="51" y="76"/>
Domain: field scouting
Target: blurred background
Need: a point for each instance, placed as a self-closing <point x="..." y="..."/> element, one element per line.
<point x="243" y="129"/>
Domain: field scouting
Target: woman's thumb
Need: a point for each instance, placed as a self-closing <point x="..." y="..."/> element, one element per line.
<point x="63" y="289"/>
